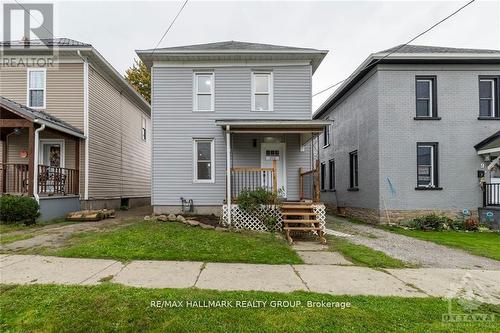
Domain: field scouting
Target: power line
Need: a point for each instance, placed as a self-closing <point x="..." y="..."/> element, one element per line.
<point x="170" y="26"/>
<point x="400" y="46"/>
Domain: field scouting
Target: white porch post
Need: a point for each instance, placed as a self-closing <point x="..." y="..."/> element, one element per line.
<point x="228" y="174"/>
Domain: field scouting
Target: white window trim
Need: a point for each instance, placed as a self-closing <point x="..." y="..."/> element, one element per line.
<point x="431" y="184"/>
<point x="145" y="137"/>
<point x="44" y="70"/>
<point x="430" y="113"/>
<point x="493" y="101"/>
<point x="271" y="90"/>
<point x="212" y="160"/>
<point x="53" y="141"/>
<point x="195" y="92"/>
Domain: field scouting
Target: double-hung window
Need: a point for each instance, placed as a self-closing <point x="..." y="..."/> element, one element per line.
<point x="426" y="99"/>
<point x="203" y="91"/>
<point x="331" y="182"/>
<point x="427" y="165"/>
<point x="143" y="128"/>
<point x="327" y="132"/>
<point x="323" y="176"/>
<point x="262" y="91"/>
<point x="36" y="88"/>
<point x="353" y="169"/>
<point x="204" y="167"/>
<point x="488" y="95"/>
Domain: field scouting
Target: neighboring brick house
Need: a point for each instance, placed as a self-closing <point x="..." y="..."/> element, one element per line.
<point x="404" y="131"/>
<point x="88" y="125"/>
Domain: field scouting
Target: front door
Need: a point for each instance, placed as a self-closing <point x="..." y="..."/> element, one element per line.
<point x="52" y="153"/>
<point x="275" y="151"/>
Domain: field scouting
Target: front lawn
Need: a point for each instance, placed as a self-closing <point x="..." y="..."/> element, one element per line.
<point x="361" y="255"/>
<point x="150" y="240"/>
<point x="115" y="308"/>
<point x="486" y="244"/>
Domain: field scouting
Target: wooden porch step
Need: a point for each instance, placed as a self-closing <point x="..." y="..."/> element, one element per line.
<point x="297" y="207"/>
<point x="302" y="228"/>
<point x="298" y="213"/>
<point x="300" y="221"/>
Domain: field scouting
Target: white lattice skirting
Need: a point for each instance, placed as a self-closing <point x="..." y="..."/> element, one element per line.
<point x="256" y="220"/>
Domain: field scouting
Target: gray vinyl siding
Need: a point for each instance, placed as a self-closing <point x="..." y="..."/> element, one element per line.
<point x="175" y="125"/>
<point x="457" y="132"/>
<point x="355" y="127"/>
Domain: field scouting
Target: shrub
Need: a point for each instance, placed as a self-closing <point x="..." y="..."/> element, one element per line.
<point x="457" y="225"/>
<point x="430" y="222"/>
<point x="17" y="209"/>
<point x="471" y="224"/>
<point x="249" y="201"/>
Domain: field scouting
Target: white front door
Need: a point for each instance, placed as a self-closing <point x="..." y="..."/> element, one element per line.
<point x="52" y="152"/>
<point x="275" y="151"/>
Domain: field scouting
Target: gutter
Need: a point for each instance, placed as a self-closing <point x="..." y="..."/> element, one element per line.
<point x="35" y="164"/>
<point x="59" y="128"/>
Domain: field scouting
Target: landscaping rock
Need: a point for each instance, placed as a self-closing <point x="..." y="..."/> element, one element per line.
<point x="162" y="218"/>
<point x="147" y="218"/>
<point x="181" y="218"/>
<point x="206" y="226"/>
<point x="192" y="223"/>
<point x="171" y="217"/>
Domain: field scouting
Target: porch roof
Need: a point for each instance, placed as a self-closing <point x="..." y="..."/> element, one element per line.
<point x="273" y="126"/>
<point x="39" y="117"/>
<point x="489" y="145"/>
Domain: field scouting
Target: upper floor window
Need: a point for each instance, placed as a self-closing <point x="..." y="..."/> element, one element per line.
<point x="204" y="171"/>
<point x="203" y="91"/>
<point x="427" y="167"/>
<point x="262" y="91"/>
<point x="143" y="128"/>
<point x="488" y="95"/>
<point x="426" y="99"/>
<point x="353" y="170"/>
<point x="36" y="88"/>
<point x="326" y="136"/>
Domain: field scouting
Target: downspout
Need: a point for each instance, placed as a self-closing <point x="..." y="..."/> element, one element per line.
<point x="85" y="123"/>
<point x="35" y="162"/>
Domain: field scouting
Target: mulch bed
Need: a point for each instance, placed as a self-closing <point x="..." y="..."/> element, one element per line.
<point x="205" y="219"/>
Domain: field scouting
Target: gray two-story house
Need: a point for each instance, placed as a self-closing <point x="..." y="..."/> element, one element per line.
<point x="415" y="131"/>
<point x="229" y="116"/>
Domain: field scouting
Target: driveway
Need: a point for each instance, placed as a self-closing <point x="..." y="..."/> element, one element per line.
<point x="411" y="250"/>
<point x="54" y="235"/>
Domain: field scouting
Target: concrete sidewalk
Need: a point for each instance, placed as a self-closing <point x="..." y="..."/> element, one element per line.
<point x="331" y="279"/>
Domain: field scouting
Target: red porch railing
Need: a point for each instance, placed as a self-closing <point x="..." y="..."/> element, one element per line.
<point x="55" y="180"/>
<point x="14" y="178"/>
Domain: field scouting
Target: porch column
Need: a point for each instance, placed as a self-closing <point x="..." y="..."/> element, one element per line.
<point x="31" y="155"/>
<point x="77" y="165"/>
<point x="228" y="174"/>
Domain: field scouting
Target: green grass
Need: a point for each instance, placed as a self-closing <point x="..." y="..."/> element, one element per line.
<point x="175" y="241"/>
<point x="114" y="308"/>
<point x="486" y="244"/>
<point x="6" y="228"/>
<point x="362" y="255"/>
<point x="5" y="239"/>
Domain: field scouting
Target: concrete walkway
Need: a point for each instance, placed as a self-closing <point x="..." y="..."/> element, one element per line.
<point x="415" y="251"/>
<point x="331" y="279"/>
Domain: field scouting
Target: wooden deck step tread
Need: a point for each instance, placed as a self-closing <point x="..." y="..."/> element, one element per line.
<point x="293" y="207"/>
<point x="302" y="228"/>
<point x="298" y="213"/>
<point x="300" y="221"/>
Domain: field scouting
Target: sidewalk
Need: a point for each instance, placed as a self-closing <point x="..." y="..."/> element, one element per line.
<point x="331" y="279"/>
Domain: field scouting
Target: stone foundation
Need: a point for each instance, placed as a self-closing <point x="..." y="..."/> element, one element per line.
<point x="114" y="203"/>
<point x="197" y="210"/>
<point x="375" y="216"/>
